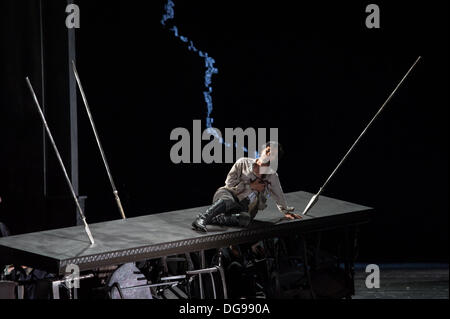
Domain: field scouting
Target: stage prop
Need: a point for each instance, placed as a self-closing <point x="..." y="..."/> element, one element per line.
<point x="61" y="163"/>
<point x="99" y="144"/>
<point x="315" y="198"/>
<point x="167" y="234"/>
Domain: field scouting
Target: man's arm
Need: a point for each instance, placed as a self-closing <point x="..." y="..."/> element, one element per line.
<point x="277" y="193"/>
<point x="233" y="181"/>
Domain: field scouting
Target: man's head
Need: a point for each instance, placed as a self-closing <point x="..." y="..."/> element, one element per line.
<point x="271" y="151"/>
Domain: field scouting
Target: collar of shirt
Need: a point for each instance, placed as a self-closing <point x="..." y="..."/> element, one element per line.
<point x="268" y="169"/>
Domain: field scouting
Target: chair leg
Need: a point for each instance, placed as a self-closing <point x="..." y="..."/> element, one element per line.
<point x="20" y="292"/>
<point x="224" y="283"/>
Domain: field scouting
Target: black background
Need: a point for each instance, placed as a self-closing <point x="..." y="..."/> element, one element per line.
<point x="314" y="71"/>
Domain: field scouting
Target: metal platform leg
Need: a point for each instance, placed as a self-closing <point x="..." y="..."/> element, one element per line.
<point x="20" y="292"/>
<point x="348" y="264"/>
<point x="224" y="284"/>
<point x="55" y="289"/>
<point x="222" y="274"/>
<point x="308" y="273"/>
<point x="210" y="271"/>
<point x="202" y="266"/>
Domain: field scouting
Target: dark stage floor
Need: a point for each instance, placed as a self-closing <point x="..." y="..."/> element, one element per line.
<point x="405" y="281"/>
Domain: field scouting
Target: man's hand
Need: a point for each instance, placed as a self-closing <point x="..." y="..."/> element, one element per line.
<point x="257" y="185"/>
<point x="292" y="216"/>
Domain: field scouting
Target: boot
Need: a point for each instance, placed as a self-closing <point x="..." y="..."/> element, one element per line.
<point x="202" y="220"/>
<point x="226" y="220"/>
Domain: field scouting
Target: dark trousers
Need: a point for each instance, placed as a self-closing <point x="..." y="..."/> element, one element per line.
<point x="233" y="205"/>
<point x="4" y="231"/>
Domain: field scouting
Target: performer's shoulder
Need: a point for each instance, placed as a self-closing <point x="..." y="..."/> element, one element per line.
<point x="245" y="160"/>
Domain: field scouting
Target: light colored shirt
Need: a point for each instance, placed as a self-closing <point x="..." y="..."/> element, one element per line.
<point x="239" y="179"/>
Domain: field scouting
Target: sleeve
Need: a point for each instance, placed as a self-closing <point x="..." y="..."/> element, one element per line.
<point x="277" y="193"/>
<point x="234" y="182"/>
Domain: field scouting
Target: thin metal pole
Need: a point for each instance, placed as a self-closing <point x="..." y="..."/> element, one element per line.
<point x="202" y="266"/>
<point x="73" y="112"/>
<point x="316" y="196"/>
<point x="44" y="142"/>
<point x="113" y="185"/>
<point x="86" y="227"/>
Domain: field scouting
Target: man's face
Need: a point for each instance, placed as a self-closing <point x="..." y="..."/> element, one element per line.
<point x="269" y="154"/>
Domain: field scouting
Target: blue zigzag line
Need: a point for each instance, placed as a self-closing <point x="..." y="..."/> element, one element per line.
<point x="210" y="71"/>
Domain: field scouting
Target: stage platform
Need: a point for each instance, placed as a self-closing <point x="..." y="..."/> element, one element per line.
<point x="165" y="234"/>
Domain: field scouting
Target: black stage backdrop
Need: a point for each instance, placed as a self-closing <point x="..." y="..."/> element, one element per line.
<point x="315" y="72"/>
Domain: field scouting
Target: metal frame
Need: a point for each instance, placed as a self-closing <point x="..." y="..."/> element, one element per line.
<point x="204" y="243"/>
<point x="56" y="284"/>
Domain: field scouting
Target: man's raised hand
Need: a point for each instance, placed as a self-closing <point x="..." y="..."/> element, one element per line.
<point x="257" y="185"/>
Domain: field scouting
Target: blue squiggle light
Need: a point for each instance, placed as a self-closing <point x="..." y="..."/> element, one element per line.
<point x="210" y="71"/>
<point x="209" y="62"/>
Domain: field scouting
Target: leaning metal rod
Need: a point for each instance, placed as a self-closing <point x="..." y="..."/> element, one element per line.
<point x="86" y="227"/>
<point x="115" y="192"/>
<point x="316" y="197"/>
